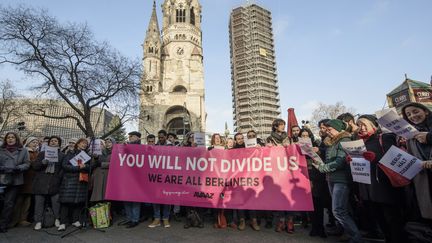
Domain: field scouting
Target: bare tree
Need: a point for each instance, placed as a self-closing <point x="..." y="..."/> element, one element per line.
<point x="328" y="111"/>
<point x="70" y="64"/>
<point x="9" y="106"/>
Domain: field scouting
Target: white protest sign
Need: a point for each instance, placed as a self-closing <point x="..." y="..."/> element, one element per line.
<point x="401" y="162"/>
<point x="354" y="148"/>
<point x="250" y="143"/>
<point x="392" y="121"/>
<point x="83" y="156"/>
<point x="96" y="146"/>
<point x="360" y="170"/>
<point x="199" y="139"/>
<point x="307" y="149"/>
<point x="381" y="113"/>
<point x="51" y="154"/>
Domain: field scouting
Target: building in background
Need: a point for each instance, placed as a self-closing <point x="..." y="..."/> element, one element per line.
<point x="410" y="91"/>
<point x="255" y="94"/>
<point x="172" y="96"/>
<point x="40" y="126"/>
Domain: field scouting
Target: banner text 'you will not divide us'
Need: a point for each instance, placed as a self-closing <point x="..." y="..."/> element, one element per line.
<point x="270" y="178"/>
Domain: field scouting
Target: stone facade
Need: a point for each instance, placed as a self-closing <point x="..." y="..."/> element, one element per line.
<point x="172" y="96"/>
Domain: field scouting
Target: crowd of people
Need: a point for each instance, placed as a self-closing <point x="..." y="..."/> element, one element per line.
<point x="394" y="210"/>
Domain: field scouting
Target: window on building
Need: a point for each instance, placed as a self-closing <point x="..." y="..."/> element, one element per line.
<point x="180" y="15"/>
<point x="192" y="16"/>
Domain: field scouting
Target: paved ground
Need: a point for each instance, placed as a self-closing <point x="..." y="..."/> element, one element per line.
<point x="176" y="233"/>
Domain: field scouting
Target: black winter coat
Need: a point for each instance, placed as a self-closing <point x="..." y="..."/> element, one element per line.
<point x="71" y="189"/>
<point x="47" y="183"/>
<point x="380" y="190"/>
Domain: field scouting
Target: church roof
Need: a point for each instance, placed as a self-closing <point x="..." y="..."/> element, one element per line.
<point x="406" y="84"/>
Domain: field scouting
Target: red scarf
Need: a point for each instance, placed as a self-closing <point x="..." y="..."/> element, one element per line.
<point x="367" y="135"/>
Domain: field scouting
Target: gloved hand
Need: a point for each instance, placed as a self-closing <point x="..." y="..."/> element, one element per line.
<point x="8" y="170"/>
<point x="45" y="161"/>
<point x="348" y="159"/>
<point x="369" y="155"/>
<point x="16" y="170"/>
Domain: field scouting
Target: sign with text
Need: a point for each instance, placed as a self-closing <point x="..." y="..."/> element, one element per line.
<point x="360" y="170"/>
<point x="381" y="113"/>
<point x="401" y="162"/>
<point x="51" y="154"/>
<point x="306" y="148"/>
<point x="354" y="148"/>
<point x="82" y="156"/>
<point x="199" y="139"/>
<point x="250" y="142"/>
<point x="392" y="121"/>
<point x="96" y="146"/>
<point x="268" y="178"/>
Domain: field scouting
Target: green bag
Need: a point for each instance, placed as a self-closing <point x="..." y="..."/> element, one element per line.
<point x="100" y="215"/>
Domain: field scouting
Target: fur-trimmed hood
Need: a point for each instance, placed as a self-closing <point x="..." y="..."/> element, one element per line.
<point x="332" y="141"/>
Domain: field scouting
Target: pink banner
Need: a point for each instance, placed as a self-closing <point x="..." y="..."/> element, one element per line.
<point x="271" y="178"/>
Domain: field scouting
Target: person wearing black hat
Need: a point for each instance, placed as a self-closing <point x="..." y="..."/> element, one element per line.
<point x="381" y="199"/>
<point x="134" y="138"/>
<point x="339" y="176"/>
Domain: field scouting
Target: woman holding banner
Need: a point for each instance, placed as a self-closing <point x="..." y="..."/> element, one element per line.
<point x="46" y="183"/>
<point x="100" y="174"/>
<point x="279" y="137"/>
<point x="339" y="176"/>
<point x="74" y="186"/>
<point x="420" y="191"/>
<point x="381" y="199"/>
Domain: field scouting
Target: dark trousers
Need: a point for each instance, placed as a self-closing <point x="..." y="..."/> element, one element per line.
<point x="318" y="214"/>
<point x="390" y="220"/>
<point x="40" y="206"/>
<point x="10" y="194"/>
<point x="70" y="212"/>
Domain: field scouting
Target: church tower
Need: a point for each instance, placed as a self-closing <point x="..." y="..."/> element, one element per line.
<point x="172" y="86"/>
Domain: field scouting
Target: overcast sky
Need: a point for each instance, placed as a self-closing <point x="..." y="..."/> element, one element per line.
<point x="326" y="51"/>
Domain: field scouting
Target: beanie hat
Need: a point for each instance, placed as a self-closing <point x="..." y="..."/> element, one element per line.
<point x="337" y="124"/>
<point x="113" y="141"/>
<point x="373" y="119"/>
<point x="29" y="140"/>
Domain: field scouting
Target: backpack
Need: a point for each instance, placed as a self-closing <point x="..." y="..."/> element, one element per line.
<point x="48" y="218"/>
<point x="193" y="218"/>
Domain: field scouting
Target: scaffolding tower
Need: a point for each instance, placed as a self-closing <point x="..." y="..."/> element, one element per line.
<point x="253" y="69"/>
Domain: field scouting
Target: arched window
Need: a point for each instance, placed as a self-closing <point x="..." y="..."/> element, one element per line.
<point x="180" y="88"/>
<point x="192" y="16"/>
<point x="150" y="49"/>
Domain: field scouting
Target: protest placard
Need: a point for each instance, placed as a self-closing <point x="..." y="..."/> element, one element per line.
<point x="306" y="148"/>
<point x="354" y="148"/>
<point x="392" y="121"/>
<point x="96" y="146"/>
<point x="381" y="113"/>
<point x="83" y="157"/>
<point x="250" y="142"/>
<point x="401" y="162"/>
<point x="199" y="139"/>
<point x="360" y="170"/>
<point x="51" y="154"/>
